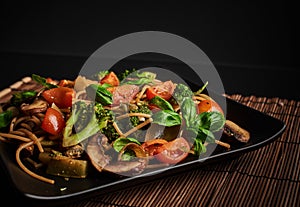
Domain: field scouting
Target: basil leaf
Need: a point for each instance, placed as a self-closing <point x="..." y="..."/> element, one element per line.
<point x="121" y="142"/>
<point x="161" y="103"/>
<point x="22" y="97"/>
<point x="100" y="94"/>
<point x="5" y="118"/>
<point x="166" y="118"/>
<point x="212" y="121"/>
<point x="189" y="112"/>
<point x="205" y="135"/>
<point x="199" y="147"/>
<point x="43" y="81"/>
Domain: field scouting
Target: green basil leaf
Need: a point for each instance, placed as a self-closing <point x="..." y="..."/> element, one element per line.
<point x="189" y="112"/>
<point x="212" y="121"/>
<point x="166" y="118"/>
<point x="121" y="142"/>
<point x="199" y="147"/>
<point x="161" y="103"/>
<point x="205" y="135"/>
<point x="43" y="81"/>
<point x="5" y="118"/>
<point x="22" y="97"/>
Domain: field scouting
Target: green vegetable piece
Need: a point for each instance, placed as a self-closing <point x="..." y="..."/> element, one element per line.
<point x="201" y="89"/>
<point x="141" y="109"/>
<point x="213" y="121"/>
<point x="122" y="76"/>
<point x="161" y="103"/>
<point x="182" y="91"/>
<point x="99" y="94"/>
<point x="43" y="81"/>
<point x="67" y="167"/>
<point x="140" y="78"/>
<point x="189" y="112"/>
<point x="22" y="97"/>
<point x="80" y="110"/>
<point x="166" y="118"/>
<point x="102" y="74"/>
<point x="5" y="118"/>
<point x="121" y="142"/>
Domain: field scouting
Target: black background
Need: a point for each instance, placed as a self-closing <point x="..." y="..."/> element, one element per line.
<point x="253" y="45"/>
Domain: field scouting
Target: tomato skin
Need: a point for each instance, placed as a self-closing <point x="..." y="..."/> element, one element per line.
<point x="208" y="106"/>
<point x="152" y="147"/>
<point x="53" y="122"/>
<point x="61" y="96"/>
<point x="111" y="78"/>
<point x="173" y="151"/>
<point x="164" y="90"/>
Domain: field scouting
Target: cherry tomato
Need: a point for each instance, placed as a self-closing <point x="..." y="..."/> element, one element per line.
<point x="61" y="96"/>
<point x="208" y="106"/>
<point x="152" y="147"/>
<point x="51" y="81"/>
<point x="53" y="122"/>
<point x="173" y="151"/>
<point x="111" y="78"/>
<point x="164" y="90"/>
<point x="66" y="83"/>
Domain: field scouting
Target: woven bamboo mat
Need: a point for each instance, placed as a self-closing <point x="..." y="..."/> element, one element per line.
<point x="269" y="176"/>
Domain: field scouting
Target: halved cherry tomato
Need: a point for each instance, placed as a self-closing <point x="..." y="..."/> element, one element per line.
<point x="111" y="78"/>
<point x="173" y="151"/>
<point x="152" y="147"/>
<point x="53" y="122"/>
<point x="61" y="96"/>
<point x="164" y="90"/>
<point x="208" y="106"/>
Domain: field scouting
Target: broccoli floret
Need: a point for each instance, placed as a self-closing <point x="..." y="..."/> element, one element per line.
<point x="106" y="118"/>
<point x="182" y="91"/>
<point x="141" y="109"/>
<point x="84" y="118"/>
<point x="122" y="76"/>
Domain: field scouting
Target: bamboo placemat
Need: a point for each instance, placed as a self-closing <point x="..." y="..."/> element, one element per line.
<point x="269" y="176"/>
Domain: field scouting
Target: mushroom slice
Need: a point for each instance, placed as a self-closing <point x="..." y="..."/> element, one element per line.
<point x="37" y="106"/>
<point x="103" y="162"/>
<point x="127" y="168"/>
<point x="233" y="130"/>
<point x="96" y="153"/>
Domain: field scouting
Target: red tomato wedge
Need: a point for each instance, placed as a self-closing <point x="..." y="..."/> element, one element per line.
<point x="61" y="96"/>
<point x="173" y="151"/>
<point x="152" y="147"/>
<point x="164" y="90"/>
<point x="53" y="122"/>
<point x="111" y="78"/>
<point x="208" y="106"/>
